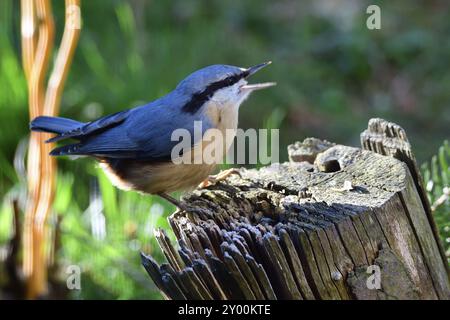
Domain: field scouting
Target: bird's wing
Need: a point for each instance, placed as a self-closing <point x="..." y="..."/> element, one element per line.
<point x="144" y="134"/>
<point x="86" y="130"/>
<point x="109" y="143"/>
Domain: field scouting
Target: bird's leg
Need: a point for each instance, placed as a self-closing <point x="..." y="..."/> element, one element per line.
<point x="173" y="201"/>
<point x="222" y="175"/>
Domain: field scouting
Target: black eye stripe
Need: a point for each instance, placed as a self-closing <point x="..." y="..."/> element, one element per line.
<point x="199" y="98"/>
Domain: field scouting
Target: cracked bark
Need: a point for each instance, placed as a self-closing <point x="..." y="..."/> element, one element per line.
<point x="309" y="229"/>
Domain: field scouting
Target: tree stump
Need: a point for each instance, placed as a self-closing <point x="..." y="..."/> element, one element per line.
<point x="336" y="222"/>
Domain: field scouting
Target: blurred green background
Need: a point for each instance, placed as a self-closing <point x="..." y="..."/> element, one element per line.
<point x="333" y="74"/>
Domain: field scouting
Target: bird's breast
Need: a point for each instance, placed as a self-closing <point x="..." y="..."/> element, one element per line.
<point x="155" y="178"/>
<point x="222" y="116"/>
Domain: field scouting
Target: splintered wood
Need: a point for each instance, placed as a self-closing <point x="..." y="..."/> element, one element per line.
<point x="319" y="227"/>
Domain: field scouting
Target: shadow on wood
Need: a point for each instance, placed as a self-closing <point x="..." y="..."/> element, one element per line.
<point x="314" y="228"/>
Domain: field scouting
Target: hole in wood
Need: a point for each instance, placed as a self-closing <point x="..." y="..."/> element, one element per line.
<point x="329" y="166"/>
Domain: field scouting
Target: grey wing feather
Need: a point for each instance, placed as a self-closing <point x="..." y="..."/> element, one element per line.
<point x="85" y="130"/>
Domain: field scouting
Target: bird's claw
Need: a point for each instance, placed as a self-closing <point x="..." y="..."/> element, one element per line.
<point x="221" y="176"/>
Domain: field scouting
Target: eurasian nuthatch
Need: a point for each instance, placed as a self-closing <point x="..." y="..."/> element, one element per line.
<point x="134" y="146"/>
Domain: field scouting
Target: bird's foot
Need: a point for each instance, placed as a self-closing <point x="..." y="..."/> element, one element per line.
<point x="222" y="175"/>
<point x="180" y="205"/>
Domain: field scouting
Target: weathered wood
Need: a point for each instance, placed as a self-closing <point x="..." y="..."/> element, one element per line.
<point x="396" y="282"/>
<point x="307" y="230"/>
<point x="390" y="139"/>
<point x="295" y="265"/>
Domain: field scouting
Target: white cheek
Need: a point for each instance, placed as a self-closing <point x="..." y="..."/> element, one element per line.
<point x="237" y="94"/>
<point x="224" y="95"/>
<point x="231" y="95"/>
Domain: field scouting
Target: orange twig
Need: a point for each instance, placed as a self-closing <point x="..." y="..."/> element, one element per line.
<point x="32" y="244"/>
<point x="28" y="32"/>
<point x="42" y="168"/>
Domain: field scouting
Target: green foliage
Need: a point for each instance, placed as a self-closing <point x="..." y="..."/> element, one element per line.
<point x="436" y="175"/>
<point x="106" y="238"/>
<point x="13" y="99"/>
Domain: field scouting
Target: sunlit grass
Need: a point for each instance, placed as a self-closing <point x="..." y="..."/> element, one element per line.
<point x="436" y="176"/>
<point x="105" y="239"/>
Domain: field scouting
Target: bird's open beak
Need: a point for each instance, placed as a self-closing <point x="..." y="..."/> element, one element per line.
<point x="257" y="86"/>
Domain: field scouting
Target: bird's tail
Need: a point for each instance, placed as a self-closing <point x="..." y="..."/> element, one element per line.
<point x="57" y="125"/>
<point x="54" y="124"/>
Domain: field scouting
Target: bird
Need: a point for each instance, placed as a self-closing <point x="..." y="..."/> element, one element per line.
<point x="134" y="146"/>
